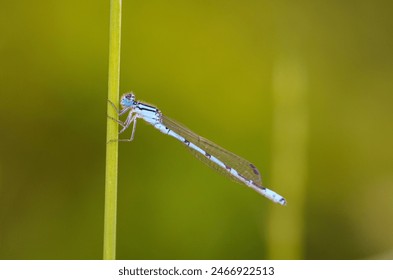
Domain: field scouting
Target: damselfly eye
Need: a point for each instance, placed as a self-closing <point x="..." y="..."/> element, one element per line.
<point x="130" y="96"/>
<point x="127" y="100"/>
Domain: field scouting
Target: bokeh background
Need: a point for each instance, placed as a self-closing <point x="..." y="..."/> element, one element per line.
<point x="301" y="89"/>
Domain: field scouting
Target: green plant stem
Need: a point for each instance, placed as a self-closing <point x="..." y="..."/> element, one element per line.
<point x="289" y="162"/>
<point x="112" y="132"/>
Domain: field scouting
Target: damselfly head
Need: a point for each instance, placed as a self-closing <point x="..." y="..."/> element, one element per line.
<point x="127" y="100"/>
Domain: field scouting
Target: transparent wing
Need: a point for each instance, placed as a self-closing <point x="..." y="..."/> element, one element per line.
<point x="242" y="166"/>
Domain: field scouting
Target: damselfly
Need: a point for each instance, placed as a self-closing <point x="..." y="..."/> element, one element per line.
<point x="214" y="156"/>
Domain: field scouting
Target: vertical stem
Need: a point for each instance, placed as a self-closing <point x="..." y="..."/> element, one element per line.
<point x="289" y="169"/>
<point x="112" y="132"/>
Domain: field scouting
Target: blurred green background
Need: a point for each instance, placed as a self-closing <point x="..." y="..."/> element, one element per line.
<point x="303" y="90"/>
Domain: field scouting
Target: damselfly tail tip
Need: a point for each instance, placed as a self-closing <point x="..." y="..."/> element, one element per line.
<point x="273" y="196"/>
<point x="278" y="199"/>
<point x="282" y="201"/>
